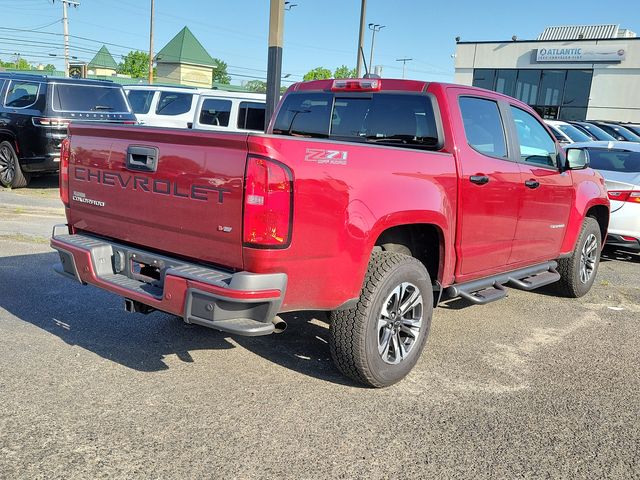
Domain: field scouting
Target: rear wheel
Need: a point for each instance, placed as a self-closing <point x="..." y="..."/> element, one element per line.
<point x="578" y="271"/>
<point x="11" y="175"/>
<point x="379" y="341"/>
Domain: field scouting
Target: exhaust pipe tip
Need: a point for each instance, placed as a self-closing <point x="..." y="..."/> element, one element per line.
<point x="279" y="325"/>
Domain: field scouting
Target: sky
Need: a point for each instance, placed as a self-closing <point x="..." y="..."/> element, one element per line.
<point x="318" y="33"/>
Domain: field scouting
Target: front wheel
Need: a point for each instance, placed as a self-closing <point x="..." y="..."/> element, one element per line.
<point x="11" y="175"/>
<point x="578" y="271"/>
<point x="379" y="341"/>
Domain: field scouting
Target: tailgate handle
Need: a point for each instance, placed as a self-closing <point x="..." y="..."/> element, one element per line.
<point x="142" y="158"/>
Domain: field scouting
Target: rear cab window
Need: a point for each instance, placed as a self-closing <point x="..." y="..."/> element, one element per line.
<point x="140" y="100"/>
<point x="386" y="118"/>
<point x="68" y="97"/>
<point x="174" y="103"/>
<point x="21" y="94"/>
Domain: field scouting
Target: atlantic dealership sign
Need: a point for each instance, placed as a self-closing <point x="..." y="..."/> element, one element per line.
<point x="587" y="53"/>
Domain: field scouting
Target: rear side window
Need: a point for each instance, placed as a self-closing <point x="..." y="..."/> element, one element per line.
<point x="483" y="126"/>
<point x="88" y="98"/>
<point x="22" y="94"/>
<point x="140" y="100"/>
<point x="174" y="103"/>
<point x="251" y="116"/>
<point x="384" y="118"/>
<point x="614" y="160"/>
<point x="536" y="145"/>
<point x="215" y="112"/>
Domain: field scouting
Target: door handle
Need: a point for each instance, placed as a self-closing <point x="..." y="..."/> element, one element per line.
<point x="479" y="179"/>
<point x="532" y="184"/>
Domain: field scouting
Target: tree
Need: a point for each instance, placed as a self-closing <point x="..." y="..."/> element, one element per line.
<point x="256" y="86"/>
<point x="135" y="64"/>
<point x="344" y="72"/>
<point x="318" y="73"/>
<point x="220" y="74"/>
<point x="49" y="68"/>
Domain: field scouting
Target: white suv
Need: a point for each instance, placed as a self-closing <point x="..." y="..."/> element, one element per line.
<point x="204" y="109"/>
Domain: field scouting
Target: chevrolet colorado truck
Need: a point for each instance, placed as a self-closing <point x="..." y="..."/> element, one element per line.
<point x="373" y="199"/>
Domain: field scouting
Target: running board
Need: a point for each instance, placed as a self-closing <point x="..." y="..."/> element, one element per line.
<point x="490" y="289"/>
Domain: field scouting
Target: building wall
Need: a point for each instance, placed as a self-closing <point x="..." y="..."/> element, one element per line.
<point x="103" y="72"/>
<point x="615" y="87"/>
<point x="181" y="74"/>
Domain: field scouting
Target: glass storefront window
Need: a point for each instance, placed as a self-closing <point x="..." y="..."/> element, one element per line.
<point x="527" y="86"/>
<point x="506" y="81"/>
<point x="483" y="78"/>
<point x="552" y="87"/>
<point x="577" y="88"/>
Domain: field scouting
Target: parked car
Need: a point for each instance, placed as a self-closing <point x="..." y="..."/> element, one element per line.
<point x="596" y="133"/>
<point x="230" y="111"/>
<point x="162" y="105"/>
<point x="34" y="113"/>
<point x="619" y="164"/>
<point x="369" y="198"/>
<point x="634" y="127"/>
<point x="202" y="109"/>
<point x="618" y="132"/>
<point x="566" y="133"/>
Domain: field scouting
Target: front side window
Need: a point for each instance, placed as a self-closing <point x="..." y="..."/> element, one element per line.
<point x="251" y="116"/>
<point x="215" y="111"/>
<point x="382" y="118"/>
<point x="536" y="145"/>
<point x="483" y="126"/>
<point x="140" y="100"/>
<point x="22" y="94"/>
<point x="174" y="103"/>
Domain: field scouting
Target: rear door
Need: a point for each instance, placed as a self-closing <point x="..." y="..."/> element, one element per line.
<point x="176" y="191"/>
<point x="548" y="193"/>
<point x="490" y="186"/>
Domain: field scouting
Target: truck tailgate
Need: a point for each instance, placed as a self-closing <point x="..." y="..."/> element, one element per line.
<point x="175" y="191"/>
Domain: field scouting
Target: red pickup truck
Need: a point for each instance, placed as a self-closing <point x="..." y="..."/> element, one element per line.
<point x="370" y="198"/>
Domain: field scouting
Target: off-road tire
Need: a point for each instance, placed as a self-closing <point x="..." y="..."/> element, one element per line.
<point x="570" y="284"/>
<point x="354" y="332"/>
<point x="16" y="178"/>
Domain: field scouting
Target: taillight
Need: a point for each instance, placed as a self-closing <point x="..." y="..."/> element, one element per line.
<point x="357" y="85"/>
<point x="65" y="153"/>
<point x="50" y="122"/>
<point x="267" y="203"/>
<point x="624" y="195"/>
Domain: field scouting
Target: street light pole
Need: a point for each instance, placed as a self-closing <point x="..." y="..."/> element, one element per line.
<point x="151" y="45"/>
<point x="404" y="64"/>
<point x="363" y="10"/>
<point x="374" y="27"/>
<point x="274" y="63"/>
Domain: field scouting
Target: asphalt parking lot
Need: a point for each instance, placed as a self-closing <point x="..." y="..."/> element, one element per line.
<point x="533" y="386"/>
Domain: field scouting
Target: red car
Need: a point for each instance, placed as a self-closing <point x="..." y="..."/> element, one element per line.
<point x="369" y="198"/>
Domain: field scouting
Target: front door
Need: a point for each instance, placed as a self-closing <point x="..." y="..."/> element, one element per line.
<point x="548" y="193"/>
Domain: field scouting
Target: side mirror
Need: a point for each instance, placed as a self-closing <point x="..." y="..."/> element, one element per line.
<point x="577" y="158"/>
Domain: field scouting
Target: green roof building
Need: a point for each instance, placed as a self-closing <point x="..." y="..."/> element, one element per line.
<point x="103" y="63"/>
<point x="184" y="61"/>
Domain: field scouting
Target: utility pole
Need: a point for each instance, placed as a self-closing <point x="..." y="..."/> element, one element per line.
<point x="274" y="63"/>
<point x="65" y="26"/>
<point x="374" y="27"/>
<point x="151" y="45"/>
<point x="404" y="63"/>
<point x="363" y="14"/>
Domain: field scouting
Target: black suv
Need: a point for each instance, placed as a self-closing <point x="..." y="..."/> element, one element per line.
<point x="35" y="111"/>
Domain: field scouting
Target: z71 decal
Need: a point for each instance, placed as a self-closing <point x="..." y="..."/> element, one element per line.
<point x="322" y="156"/>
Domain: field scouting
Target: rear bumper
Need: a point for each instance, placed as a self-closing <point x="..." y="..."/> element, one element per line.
<point x="618" y="241"/>
<point x="241" y="303"/>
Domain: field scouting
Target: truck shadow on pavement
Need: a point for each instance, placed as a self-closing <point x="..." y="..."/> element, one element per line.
<point x="95" y="320"/>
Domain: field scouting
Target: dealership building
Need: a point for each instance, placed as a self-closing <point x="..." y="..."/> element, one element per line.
<point x="569" y="73"/>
